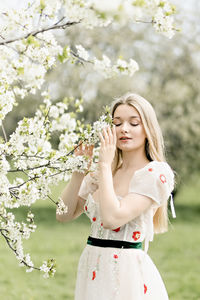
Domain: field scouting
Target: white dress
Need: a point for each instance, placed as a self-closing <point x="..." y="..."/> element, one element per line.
<point x="124" y="274"/>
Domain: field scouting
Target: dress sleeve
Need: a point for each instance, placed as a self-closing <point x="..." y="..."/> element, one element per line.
<point x="155" y="181"/>
<point x="89" y="185"/>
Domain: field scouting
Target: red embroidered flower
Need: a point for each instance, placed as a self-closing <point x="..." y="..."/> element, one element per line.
<point x="163" y="178"/>
<point x="117" y="229"/>
<point x="150" y="169"/>
<point x="145" y="288"/>
<point x="94" y="219"/>
<point x="115" y="256"/>
<point x="86" y="208"/>
<point x="101" y="224"/>
<point x="93" y="275"/>
<point x="136" y="235"/>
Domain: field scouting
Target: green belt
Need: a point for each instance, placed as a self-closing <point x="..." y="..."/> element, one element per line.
<point x="113" y="243"/>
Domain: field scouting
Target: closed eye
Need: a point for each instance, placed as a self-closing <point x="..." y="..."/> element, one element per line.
<point x="130" y="124"/>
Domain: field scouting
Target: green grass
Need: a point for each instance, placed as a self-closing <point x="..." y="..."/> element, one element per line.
<point x="176" y="253"/>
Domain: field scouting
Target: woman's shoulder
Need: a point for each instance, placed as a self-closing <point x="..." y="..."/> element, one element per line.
<point x="155" y="180"/>
<point x="159" y="166"/>
<point x="156" y="170"/>
<point x="156" y="165"/>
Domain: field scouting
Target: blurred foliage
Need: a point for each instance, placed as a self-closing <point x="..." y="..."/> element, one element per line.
<point x="168" y="78"/>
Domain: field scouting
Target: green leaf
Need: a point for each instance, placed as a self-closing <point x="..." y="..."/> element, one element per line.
<point x="42" y="5"/>
<point x="31" y="40"/>
<point x="140" y="3"/>
<point x="65" y="55"/>
<point x="162" y="4"/>
<point x="20" y="71"/>
<point x="39" y="149"/>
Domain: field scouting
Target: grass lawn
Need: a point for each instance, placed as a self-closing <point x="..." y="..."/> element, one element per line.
<point x="176" y="253"/>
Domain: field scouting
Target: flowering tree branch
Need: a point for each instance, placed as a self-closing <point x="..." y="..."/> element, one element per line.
<point x="9" y="243"/>
<point x="24" y="62"/>
<point x="35" y="33"/>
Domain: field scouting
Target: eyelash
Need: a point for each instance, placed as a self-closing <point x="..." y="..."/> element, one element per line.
<point x="130" y="124"/>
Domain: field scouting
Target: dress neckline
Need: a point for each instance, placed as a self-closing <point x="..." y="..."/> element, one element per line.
<point x="118" y="196"/>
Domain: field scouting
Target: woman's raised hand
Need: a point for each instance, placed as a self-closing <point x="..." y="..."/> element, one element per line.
<point x="108" y="145"/>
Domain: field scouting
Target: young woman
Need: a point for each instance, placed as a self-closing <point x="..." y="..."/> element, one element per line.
<point x="126" y="201"/>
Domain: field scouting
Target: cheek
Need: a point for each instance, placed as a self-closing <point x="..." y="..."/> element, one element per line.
<point x="117" y="129"/>
<point x="141" y="132"/>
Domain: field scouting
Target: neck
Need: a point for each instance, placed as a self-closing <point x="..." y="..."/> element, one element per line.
<point x="134" y="160"/>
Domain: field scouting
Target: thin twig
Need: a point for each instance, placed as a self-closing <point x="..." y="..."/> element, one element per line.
<point x="34" y="33"/>
<point x="145" y="22"/>
<point x="33" y="168"/>
<point x="13" y="195"/>
<point x="4" y="220"/>
<point x="81" y="60"/>
<point x="4" y="132"/>
<point x="1" y="36"/>
<point x="15" y="251"/>
<point x="18" y="186"/>
<point x="52" y="200"/>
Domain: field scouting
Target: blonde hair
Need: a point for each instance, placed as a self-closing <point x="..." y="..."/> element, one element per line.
<point x="154" y="146"/>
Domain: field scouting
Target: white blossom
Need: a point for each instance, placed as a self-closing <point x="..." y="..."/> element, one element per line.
<point x="61" y="207"/>
<point x="164" y="24"/>
<point x="82" y="52"/>
<point x="48" y="267"/>
<point x="28" y="261"/>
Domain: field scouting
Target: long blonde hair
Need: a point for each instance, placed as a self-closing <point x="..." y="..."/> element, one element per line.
<point x="154" y="146"/>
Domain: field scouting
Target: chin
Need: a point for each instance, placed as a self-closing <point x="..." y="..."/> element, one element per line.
<point x="126" y="148"/>
<point x="129" y="148"/>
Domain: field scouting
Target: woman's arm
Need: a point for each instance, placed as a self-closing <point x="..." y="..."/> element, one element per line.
<point x="115" y="213"/>
<point x="70" y="196"/>
<point x="71" y="199"/>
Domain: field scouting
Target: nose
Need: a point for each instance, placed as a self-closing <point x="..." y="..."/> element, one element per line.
<point x="124" y="127"/>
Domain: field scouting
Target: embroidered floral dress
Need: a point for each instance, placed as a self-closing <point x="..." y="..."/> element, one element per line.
<point x="124" y="274"/>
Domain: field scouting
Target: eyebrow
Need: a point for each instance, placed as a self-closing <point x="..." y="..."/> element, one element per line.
<point x="132" y="117"/>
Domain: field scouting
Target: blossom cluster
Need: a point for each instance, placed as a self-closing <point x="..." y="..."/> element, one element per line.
<point x="38" y="165"/>
<point x="158" y="12"/>
<point x="28" y="47"/>
<point x="49" y="268"/>
<point x="14" y="232"/>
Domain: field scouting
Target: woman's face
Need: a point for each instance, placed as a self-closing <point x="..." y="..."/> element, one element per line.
<point x="129" y="128"/>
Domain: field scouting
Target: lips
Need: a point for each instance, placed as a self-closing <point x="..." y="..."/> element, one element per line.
<point x="124" y="138"/>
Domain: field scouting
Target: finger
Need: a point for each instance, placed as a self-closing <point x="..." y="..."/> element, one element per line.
<point x="77" y="152"/>
<point x="114" y="135"/>
<point x="75" y="149"/>
<point x="102" y="140"/>
<point x="91" y="150"/>
<point x="80" y="148"/>
<point x="110" y="134"/>
<point x="105" y="135"/>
